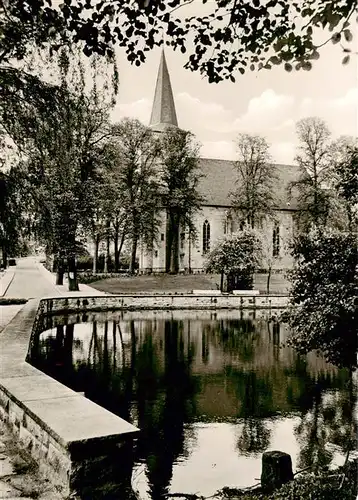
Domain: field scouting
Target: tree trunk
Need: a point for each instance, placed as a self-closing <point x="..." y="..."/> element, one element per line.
<point x="174" y="253"/>
<point x="4" y="257"/>
<point x="95" y="255"/>
<point x="123" y="237"/>
<point x="268" y="280"/>
<point x="174" y="262"/>
<point x="116" y="252"/>
<point x="168" y="243"/>
<point x="72" y="274"/>
<point x="222" y="281"/>
<point x="60" y="270"/>
<point x="189" y="252"/>
<point x="132" y="263"/>
<point x="107" y="256"/>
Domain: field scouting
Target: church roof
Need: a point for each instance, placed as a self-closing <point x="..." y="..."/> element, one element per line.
<point x="219" y="179"/>
<point x="163" y="111"/>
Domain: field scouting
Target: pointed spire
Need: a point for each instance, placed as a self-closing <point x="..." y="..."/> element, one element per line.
<point x="163" y="111"/>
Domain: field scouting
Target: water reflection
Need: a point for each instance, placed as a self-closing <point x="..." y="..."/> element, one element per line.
<point x="185" y="382"/>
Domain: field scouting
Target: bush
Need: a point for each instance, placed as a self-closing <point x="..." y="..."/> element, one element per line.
<point x="87" y="277"/>
<point x="322" y="312"/>
<point x="236" y="256"/>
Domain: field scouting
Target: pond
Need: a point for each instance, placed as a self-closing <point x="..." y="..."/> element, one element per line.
<point x="210" y="392"/>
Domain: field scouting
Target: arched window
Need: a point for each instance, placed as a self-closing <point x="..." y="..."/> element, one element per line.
<point x="276" y="241"/>
<point x="206" y="237"/>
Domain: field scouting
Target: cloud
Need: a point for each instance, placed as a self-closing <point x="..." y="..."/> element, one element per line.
<point x="340" y="113"/>
<point x="268" y="110"/>
<point x="140" y="109"/>
<point x="200" y="114"/>
<point x="269" y="114"/>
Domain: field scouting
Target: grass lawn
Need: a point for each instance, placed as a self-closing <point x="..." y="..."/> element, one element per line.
<point x="180" y="283"/>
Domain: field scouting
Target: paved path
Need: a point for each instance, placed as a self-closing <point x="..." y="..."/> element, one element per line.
<point x="33" y="280"/>
<point x="29" y="282"/>
<point x="19" y="476"/>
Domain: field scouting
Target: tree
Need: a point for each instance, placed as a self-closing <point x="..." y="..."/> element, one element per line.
<point x="136" y="180"/>
<point x="253" y="197"/>
<point x="322" y="311"/>
<point x="228" y="36"/>
<point x="110" y="216"/>
<point x="313" y="160"/>
<point x="58" y="128"/>
<point x="344" y="170"/>
<point x="12" y="216"/>
<point x="235" y="256"/>
<point x="179" y="176"/>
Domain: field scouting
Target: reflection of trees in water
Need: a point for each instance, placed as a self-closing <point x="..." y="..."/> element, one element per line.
<point x="236" y="337"/>
<point x="255" y="395"/>
<point x="328" y="419"/>
<point x="150" y="381"/>
<point x="164" y="407"/>
<point x="255" y="437"/>
<point x="54" y="354"/>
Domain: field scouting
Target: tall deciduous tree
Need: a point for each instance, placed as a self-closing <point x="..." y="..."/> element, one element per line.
<point x="179" y="175"/>
<point x="59" y="128"/>
<point x="344" y="170"/>
<point x="322" y="311"/>
<point x="313" y="160"/>
<point x="136" y="179"/>
<point x="253" y="198"/>
<point x="227" y="35"/>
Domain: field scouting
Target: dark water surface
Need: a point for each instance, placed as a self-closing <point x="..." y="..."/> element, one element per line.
<point x="210" y="392"/>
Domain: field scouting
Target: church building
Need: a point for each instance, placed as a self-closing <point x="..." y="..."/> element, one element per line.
<point x="216" y="217"/>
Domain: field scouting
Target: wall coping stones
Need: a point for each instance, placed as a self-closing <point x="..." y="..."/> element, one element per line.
<point x="30" y="399"/>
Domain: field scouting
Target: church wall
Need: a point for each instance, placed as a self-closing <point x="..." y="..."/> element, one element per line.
<point x="216" y="217"/>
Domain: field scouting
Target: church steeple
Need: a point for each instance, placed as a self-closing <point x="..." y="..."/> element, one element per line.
<point x="163" y="111"/>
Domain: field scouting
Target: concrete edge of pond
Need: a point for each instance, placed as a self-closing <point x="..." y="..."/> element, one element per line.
<point x="54" y="305"/>
<point x="58" y="426"/>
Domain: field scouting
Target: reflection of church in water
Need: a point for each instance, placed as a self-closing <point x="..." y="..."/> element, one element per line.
<point x="216" y="218"/>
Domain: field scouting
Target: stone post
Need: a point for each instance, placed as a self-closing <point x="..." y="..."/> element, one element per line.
<point x="276" y="470"/>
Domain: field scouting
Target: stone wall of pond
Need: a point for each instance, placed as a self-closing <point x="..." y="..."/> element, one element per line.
<point x="156" y="301"/>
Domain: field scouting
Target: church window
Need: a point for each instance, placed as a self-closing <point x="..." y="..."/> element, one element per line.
<point x="206" y="237"/>
<point x="162" y="237"/>
<point x="156" y="254"/>
<point x="242" y="225"/>
<point x="276" y="241"/>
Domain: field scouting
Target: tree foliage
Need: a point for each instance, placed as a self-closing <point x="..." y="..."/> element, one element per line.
<point x="136" y="182"/>
<point x="179" y="177"/>
<point x="13" y="223"/>
<point x="253" y="196"/>
<point x="58" y="128"/>
<point x="344" y="173"/>
<point x="223" y="35"/>
<point x="236" y="255"/>
<point x="322" y="312"/>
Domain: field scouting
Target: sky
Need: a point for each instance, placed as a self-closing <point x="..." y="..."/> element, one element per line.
<point x="266" y="103"/>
